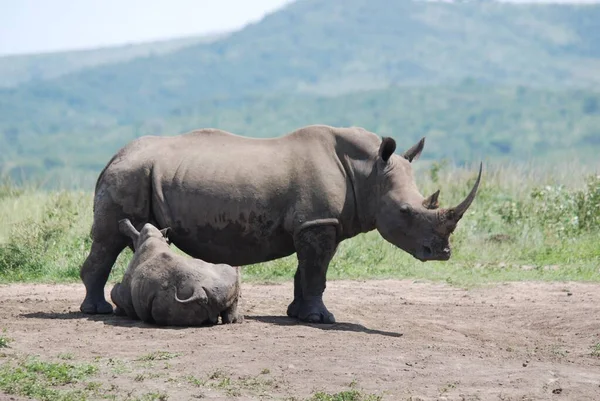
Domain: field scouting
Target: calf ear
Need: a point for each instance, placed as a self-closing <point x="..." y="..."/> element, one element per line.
<point x="387" y="148"/>
<point x="165" y="232"/>
<point x="126" y="228"/>
<point x="414" y="152"/>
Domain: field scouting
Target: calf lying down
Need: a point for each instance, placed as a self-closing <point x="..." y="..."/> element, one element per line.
<point x="165" y="288"/>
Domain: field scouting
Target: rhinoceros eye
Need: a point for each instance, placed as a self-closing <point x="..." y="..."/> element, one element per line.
<point x="405" y="209"/>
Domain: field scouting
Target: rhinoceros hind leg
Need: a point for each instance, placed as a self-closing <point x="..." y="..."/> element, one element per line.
<point x="294" y="308"/>
<point x="315" y="247"/>
<point x="94" y="274"/>
<point x="115" y="296"/>
<point x="232" y="315"/>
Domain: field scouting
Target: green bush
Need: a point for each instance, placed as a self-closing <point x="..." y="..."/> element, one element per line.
<point x="558" y="210"/>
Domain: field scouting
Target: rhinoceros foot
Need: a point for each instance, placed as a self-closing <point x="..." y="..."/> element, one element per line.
<point x="310" y="310"/>
<point x="99" y="307"/>
<point x="294" y="308"/>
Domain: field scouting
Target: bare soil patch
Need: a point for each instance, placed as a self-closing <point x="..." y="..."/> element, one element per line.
<point x="395" y="338"/>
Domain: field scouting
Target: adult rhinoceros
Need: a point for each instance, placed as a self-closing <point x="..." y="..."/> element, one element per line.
<point x="237" y="200"/>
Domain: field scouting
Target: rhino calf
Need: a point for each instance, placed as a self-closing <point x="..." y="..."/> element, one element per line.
<point x="164" y="288"/>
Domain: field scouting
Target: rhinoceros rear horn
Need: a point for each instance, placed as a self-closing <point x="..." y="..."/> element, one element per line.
<point x="432" y="202"/>
<point x="457" y="212"/>
<point x="415" y="151"/>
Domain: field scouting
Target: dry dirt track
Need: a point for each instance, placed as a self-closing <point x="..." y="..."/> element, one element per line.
<point x="398" y="339"/>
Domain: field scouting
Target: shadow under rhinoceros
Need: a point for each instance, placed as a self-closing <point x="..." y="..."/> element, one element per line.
<point x="287" y="321"/>
<point x="123" y="321"/>
<point x="110" y="319"/>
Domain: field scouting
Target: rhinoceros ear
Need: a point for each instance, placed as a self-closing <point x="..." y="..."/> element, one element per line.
<point x="165" y="234"/>
<point x="414" y="152"/>
<point x="387" y="148"/>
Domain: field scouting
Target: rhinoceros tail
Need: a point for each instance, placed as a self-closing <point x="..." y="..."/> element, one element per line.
<point x="199" y="295"/>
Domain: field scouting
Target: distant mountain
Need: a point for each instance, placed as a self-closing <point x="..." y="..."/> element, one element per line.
<point x="18" y="69"/>
<point x="462" y="123"/>
<point x="312" y="50"/>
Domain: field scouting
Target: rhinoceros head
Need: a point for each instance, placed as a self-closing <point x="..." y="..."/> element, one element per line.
<point x="404" y="217"/>
<point x="139" y="237"/>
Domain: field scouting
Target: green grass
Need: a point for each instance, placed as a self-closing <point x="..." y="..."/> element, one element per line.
<point x="4" y="341"/>
<point x="596" y="350"/>
<point x="42" y="380"/>
<point x="158" y="396"/>
<point x="159" y="356"/>
<point x="527" y="223"/>
<point x="349" y="395"/>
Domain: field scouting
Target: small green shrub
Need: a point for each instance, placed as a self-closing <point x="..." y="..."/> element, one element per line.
<point x="4" y="341"/>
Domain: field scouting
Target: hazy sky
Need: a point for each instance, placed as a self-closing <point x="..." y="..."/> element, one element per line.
<point x="28" y="26"/>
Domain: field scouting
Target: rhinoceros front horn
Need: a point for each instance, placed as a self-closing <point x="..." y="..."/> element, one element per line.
<point x="457" y="212"/>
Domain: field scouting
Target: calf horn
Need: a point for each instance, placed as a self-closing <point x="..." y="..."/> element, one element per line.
<point x="457" y="212"/>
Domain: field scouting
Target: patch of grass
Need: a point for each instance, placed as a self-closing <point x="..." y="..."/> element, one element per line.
<point x="217" y="374"/>
<point x="93" y="386"/>
<point x="448" y="387"/>
<point x="233" y="387"/>
<point x="255" y="383"/>
<point x="596" y="350"/>
<point x="158" y="356"/>
<point x="558" y="351"/>
<point x="66" y="356"/>
<point x="349" y="395"/>
<point x="195" y="381"/>
<point x="38" y="379"/>
<point x="157" y="396"/>
<point x="223" y="383"/>
<point x="117" y="366"/>
<point x="4" y="340"/>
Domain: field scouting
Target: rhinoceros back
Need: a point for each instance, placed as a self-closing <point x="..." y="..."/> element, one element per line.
<point x="227" y="198"/>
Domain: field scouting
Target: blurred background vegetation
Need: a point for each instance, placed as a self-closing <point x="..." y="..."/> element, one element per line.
<point x="482" y="80"/>
<point x="515" y="85"/>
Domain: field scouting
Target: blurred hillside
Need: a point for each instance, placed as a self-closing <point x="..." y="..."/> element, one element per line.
<point x="18" y="69"/>
<point x="480" y="79"/>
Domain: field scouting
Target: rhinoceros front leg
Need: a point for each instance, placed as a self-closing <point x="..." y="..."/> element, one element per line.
<point x="315" y="247"/>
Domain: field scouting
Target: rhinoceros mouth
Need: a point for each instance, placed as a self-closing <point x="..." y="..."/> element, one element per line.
<point x="426" y="253"/>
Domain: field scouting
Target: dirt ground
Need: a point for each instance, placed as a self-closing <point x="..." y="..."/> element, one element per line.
<point x="395" y="339"/>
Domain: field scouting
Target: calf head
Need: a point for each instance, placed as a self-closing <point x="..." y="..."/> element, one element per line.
<point x="147" y="232"/>
<point x="404" y="217"/>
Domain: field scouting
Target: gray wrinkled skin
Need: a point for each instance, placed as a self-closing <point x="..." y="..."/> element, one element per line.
<point x="164" y="288"/>
<point x="237" y="200"/>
